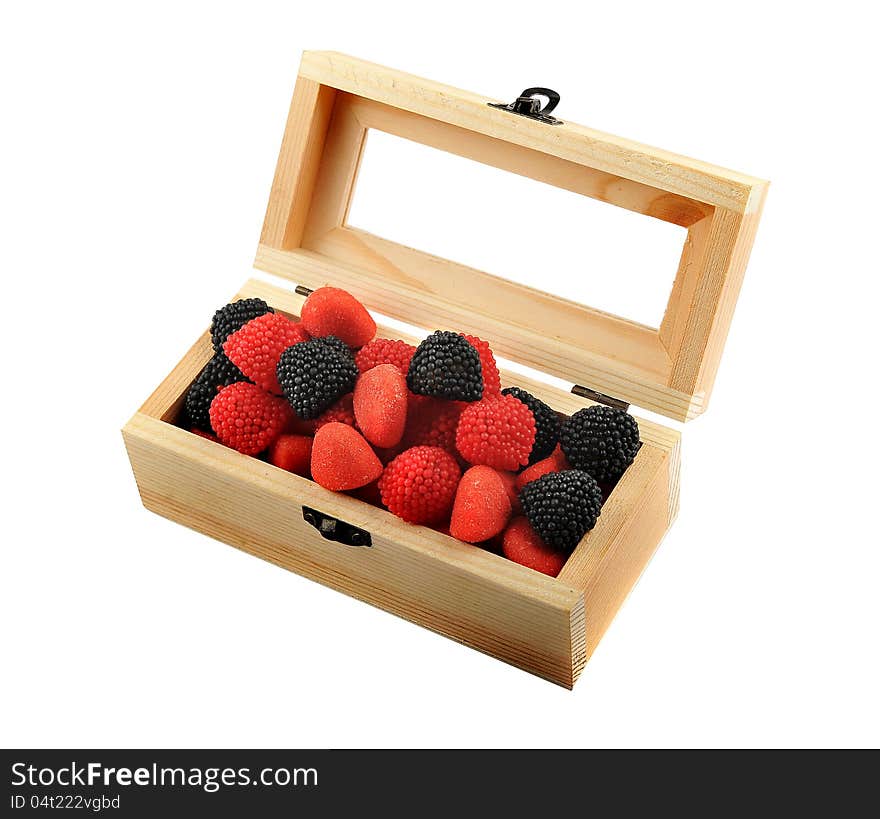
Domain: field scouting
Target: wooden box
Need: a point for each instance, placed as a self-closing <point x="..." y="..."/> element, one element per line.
<point x="548" y="626"/>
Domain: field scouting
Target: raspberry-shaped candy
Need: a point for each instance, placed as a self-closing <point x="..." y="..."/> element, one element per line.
<point x="419" y="484"/>
<point x="248" y="419"/>
<point x="491" y="377"/>
<point x="497" y="431"/>
<point x="298" y="426"/>
<point x="329" y="311"/>
<point x="433" y="422"/>
<point x="446" y="365"/>
<point x="234" y="316"/>
<point x="342" y="411"/>
<point x="316" y="374"/>
<point x="385" y="351"/>
<point x="256" y="348"/>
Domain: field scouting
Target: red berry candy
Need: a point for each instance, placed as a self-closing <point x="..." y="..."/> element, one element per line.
<point x="509" y="480"/>
<point x="368" y="494"/>
<point x="482" y="506"/>
<point x="385" y="351"/>
<point x="248" y="419"/>
<point x="522" y="545"/>
<point x="491" y="377"/>
<point x="342" y="411"/>
<point x="388" y="454"/>
<point x="329" y="311"/>
<point x="552" y="463"/>
<point x="380" y="405"/>
<point x="498" y="431"/>
<point x="298" y="426"/>
<point x="342" y="459"/>
<point x="433" y="422"/>
<point x="293" y="453"/>
<point x="419" y="404"/>
<point x="419" y="484"/>
<point x="256" y="347"/>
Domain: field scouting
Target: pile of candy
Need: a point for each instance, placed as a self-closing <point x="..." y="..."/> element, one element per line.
<point x="425" y="432"/>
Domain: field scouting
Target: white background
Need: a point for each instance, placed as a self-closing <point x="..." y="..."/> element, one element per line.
<point x="138" y="146"/>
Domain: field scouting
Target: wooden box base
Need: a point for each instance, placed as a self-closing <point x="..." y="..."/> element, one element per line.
<point x="548" y="626"/>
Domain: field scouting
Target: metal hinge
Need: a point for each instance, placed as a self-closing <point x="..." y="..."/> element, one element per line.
<point x="599" y="397"/>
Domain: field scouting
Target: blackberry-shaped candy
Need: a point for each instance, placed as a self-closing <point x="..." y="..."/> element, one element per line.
<point x="546" y="424"/>
<point x="337" y="344"/>
<point x="218" y="372"/>
<point x="234" y="316"/>
<point x="446" y="365"/>
<point x="562" y="507"/>
<point x="600" y="440"/>
<point x="315" y="374"/>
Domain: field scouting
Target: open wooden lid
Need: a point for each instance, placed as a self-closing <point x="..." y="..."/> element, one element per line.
<point x="306" y="237"/>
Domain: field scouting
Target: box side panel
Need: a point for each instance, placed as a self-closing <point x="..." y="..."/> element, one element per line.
<point x="610" y="560"/>
<point x="298" y="159"/>
<point x="506" y="611"/>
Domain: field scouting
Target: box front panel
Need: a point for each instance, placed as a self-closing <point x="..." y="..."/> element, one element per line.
<point x="514" y="614"/>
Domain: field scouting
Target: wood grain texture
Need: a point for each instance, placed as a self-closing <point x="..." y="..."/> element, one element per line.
<point x="710" y="311"/>
<point x="336" y="174"/>
<point x="611" y="154"/>
<point x="301" y="150"/>
<point x="386" y="267"/>
<point x="673" y="326"/>
<point x="536" y="346"/>
<point x="458" y="590"/>
<point x="547" y="626"/>
<point x="611" y="557"/>
<point x="543" y="167"/>
<point x="669" y="369"/>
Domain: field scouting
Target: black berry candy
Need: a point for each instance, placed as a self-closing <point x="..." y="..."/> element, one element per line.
<point x="446" y="365"/>
<point x="546" y="424"/>
<point x="315" y="374"/>
<point x="218" y="372"/>
<point x="600" y="440"/>
<point x="234" y="316"/>
<point x="562" y="507"/>
<point x="337" y="344"/>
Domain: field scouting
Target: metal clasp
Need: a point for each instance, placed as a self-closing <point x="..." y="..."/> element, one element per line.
<point x="331" y="528"/>
<point x="528" y="105"/>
